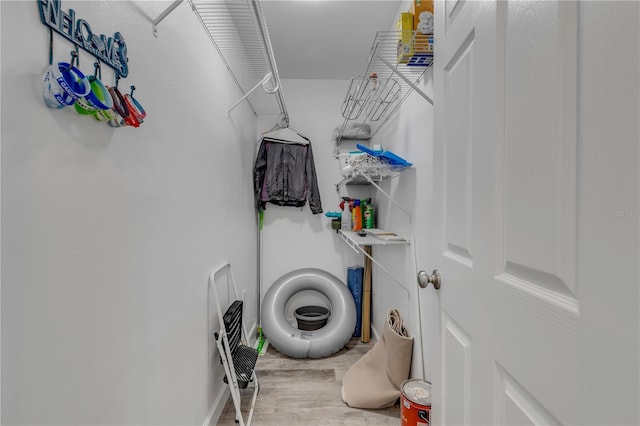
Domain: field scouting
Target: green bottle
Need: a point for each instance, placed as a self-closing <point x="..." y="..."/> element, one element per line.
<point x="368" y="214"/>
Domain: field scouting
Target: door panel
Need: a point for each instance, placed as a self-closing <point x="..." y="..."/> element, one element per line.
<point x="452" y="8"/>
<point x="516" y="406"/>
<point x="536" y="343"/>
<point x="538" y="174"/>
<point x="457" y="154"/>
<point x="533" y="307"/>
<point x="456" y="366"/>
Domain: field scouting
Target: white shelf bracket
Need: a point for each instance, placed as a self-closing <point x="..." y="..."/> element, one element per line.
<point x="406" y="80"/>
<point x="262" y="83"/>
<point x="163" y="15"/>
<point x="395" y="203"/>
<point x="359" y="249"/>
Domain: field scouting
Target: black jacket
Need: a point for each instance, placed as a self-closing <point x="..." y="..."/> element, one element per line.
<point x="284" y="174"/>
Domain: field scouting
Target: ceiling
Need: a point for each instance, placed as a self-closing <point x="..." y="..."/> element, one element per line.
<point x="330" y="39"/>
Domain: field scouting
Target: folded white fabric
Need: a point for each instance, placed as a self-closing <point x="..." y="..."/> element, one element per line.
<point x="374" y="380"/>
<point x="356" y="131"/>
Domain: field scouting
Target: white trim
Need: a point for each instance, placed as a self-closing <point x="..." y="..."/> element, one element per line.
<point x="376" y="335"/>
<point x="216" y="408"/>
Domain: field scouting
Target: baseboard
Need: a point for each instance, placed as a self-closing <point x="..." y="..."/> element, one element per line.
<point x="216" y="408"/>
<point x="376" y="335"/>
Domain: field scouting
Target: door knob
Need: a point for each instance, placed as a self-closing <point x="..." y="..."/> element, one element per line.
<point x="424" y="279"/>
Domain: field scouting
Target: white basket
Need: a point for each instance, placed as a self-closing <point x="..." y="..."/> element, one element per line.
<point x="349" y="162"/>
<point x="353" y="165"/>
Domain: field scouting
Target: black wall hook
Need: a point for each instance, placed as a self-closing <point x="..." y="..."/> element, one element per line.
<point x="98" y="71"/>
<point x="74" y="59"/>
<point x="50" y="46"/>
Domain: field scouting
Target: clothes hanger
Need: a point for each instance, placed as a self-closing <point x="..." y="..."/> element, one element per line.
<point x="282" y="133"/>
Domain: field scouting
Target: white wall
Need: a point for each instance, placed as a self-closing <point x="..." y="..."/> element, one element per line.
<point x="108" y="235"/>
<point x="409" y="134"/>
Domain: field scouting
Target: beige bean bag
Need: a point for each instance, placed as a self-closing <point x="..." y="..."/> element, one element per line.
<point x="374" y="380"/>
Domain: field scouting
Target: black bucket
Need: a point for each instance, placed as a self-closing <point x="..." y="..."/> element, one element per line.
<point x="311" y="317"/>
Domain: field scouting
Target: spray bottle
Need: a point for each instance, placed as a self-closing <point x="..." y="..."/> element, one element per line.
<point x="345" y="219"/>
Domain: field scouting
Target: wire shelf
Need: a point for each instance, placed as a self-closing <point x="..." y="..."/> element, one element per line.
<point x="238" y="30"/>
<point x="397" y="63"/>
<point x="373" y="96"/>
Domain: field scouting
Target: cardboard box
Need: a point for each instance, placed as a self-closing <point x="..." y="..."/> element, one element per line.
<point x="423" y="19"/>
<point x="422" y="51"/>
<point x="422" y="23"/>
<point x="405" y="43"/>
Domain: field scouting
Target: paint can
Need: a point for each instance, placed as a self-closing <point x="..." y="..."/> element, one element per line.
<point x="415" y="402"/>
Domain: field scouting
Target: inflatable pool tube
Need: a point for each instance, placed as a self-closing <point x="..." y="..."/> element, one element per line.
<point x="308" y="344"/>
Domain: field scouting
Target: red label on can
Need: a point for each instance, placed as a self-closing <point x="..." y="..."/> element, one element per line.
<point x="412" y="414"/>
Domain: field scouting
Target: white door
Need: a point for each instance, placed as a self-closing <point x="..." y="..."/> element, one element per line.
<point x="534" y="214"/>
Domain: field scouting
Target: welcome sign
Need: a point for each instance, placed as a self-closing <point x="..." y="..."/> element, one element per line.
<point x="110" y="50"/>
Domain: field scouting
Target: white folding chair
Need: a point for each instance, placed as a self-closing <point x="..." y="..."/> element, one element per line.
<point x="237" y="357"/>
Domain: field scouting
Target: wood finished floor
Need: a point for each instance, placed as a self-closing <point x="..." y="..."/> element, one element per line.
<point x="307" y="392"/>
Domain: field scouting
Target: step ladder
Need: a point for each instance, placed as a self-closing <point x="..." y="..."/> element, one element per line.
<point x="239" y="359"/>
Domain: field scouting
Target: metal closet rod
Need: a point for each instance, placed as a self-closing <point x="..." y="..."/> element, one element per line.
<point x="265" y="43"/>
